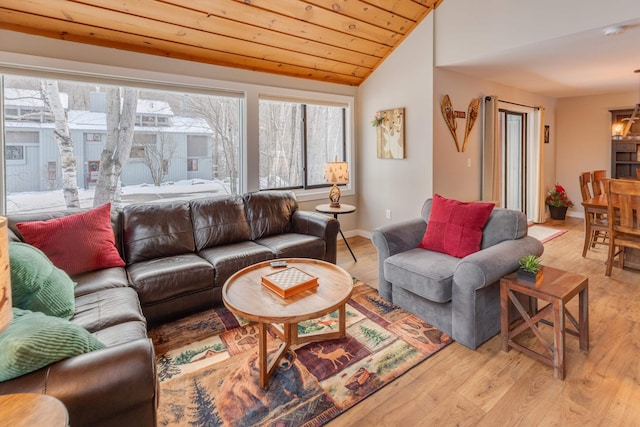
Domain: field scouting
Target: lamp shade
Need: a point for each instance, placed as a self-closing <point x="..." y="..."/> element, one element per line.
<point x="6" y="312"/>
<point x="617" y="128"/>
<point x="336" y="172"/>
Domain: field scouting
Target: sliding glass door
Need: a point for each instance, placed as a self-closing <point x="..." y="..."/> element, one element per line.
<point x="513" y="127"/>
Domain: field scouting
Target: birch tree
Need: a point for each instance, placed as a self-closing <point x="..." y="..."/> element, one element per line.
<point x="121" y="106"/>
<point x="157" y="157"/>
<point x="68" y="165"/>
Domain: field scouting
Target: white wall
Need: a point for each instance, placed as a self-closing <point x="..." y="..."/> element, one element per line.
<point x="403" y="80"/>
<point x="468" y="29"/>
<point x="584" y="135"/>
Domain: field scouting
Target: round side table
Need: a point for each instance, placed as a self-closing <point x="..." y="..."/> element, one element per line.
<point x="343" y="209"/>
<point x="32" y="409"/>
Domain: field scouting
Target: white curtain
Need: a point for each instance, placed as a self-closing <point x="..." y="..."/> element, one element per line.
<point x="492" y="156"/>
<point x="491" y="153"/>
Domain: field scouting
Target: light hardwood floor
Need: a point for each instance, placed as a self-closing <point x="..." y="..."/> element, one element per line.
<point x="489" y="387"/>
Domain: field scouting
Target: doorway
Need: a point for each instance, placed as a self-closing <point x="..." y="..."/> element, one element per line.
<point x="513" y="134"/>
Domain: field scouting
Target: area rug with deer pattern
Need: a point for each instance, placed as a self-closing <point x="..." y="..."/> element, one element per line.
<point x="207" y="365"/>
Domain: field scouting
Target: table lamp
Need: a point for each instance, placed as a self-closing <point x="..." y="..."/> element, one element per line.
<point x="6" y="312"/>
<point x="336" y="173"/>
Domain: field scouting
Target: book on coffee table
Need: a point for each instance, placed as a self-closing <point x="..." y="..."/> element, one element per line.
<point x="289" y="281"/>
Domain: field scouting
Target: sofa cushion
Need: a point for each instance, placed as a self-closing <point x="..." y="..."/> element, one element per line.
<point x="121" y="333"/>
<point x="455" y="228"/>
<point x="270" y="212"/>
<point x="425" y="273"/>
<point x="293" y="245"/>
<point x="228" y="259"/>
<point x="95" y="281"/>
<point x="106" y="308"/>
<point x="156" y="230"/>
<point x="34" y="340"/>
<point x="76" y="243"/>
<point x="219" y="221"/>
<point x="167" y="278"/>
<point x="37" y="284"/>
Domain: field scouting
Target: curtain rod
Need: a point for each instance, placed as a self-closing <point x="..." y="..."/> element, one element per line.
<point x="513" y="103"/>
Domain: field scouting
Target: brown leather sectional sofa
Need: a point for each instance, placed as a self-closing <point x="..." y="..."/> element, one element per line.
<point x="178" y="255"/>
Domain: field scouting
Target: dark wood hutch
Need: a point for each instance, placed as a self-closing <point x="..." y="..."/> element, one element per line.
<point x="625" y="151"/>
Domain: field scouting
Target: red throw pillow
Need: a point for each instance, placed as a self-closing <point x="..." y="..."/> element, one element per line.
<point x="455" y="228"/>
<point x="76" y="243"/>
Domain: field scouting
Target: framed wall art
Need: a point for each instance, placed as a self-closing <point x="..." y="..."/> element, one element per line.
<point x="389" y="133"/>
<point x="546" y="134"/>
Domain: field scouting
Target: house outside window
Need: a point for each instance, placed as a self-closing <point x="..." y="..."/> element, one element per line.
<point x="156" y="167"/>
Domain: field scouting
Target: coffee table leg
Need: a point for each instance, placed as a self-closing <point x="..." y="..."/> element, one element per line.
<point x="268" y="367"/>
<point x="262" y="354"/>
<point x="342" y="320"/>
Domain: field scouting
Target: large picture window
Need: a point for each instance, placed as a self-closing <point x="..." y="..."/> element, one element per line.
<point x="71" y="140"/>
<point x="296" y="140"/>
<point x="177" y="139"/>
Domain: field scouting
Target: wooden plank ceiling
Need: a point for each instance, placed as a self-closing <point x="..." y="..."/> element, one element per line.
<point x="338" y="41"/>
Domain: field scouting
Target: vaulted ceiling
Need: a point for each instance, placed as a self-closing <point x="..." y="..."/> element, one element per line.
<point x="338" y="41"/>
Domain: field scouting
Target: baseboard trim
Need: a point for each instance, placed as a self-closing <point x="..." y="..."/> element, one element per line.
<point x="356" y="232"/>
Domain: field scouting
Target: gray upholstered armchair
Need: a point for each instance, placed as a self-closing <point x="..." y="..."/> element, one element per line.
<point x="459" y="296"/>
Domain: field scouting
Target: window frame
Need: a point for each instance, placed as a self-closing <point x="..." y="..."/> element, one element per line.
<point x="319" y="191"/>
<point x="197" y="78"/>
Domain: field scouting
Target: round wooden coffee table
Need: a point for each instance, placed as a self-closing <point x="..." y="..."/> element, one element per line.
<point x="244" y="295"/>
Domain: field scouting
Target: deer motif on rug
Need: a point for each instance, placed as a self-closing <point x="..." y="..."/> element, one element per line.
<point x="332" y="356"/>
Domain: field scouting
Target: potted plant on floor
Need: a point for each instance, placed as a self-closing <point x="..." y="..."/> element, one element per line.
<point x="530" y="268"/>
<point x="558" y="202"/>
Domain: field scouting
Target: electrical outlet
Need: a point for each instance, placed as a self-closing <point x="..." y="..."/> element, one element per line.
<point x="468" y="163"/>
<point x="387" y="214"/>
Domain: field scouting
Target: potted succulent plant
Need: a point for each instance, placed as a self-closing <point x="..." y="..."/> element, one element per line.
<point x="530" y="268"/>
<point x="558" y="202"/>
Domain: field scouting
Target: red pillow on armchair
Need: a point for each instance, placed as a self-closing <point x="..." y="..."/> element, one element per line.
<point x="455" y="228"/>
<point x="76" y="243"/>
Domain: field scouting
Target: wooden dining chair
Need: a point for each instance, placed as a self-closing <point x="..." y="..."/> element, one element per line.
<point x="585" y="182"/>
<point x="623" y="204"/>
<point x="638" y="173"/>
<point x="597" y="181"/>
<point x="596" y="228"/>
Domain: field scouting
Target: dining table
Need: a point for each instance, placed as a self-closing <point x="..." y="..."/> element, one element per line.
<point x="600" y="204"/>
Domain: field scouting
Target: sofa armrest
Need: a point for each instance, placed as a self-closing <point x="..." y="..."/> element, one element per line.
<point x="121" y="379"/>
<point x="475" y="295"/>
<point x="319" y="225"/>
<point x="484" y="267"/>
<point x="393" y="239"/>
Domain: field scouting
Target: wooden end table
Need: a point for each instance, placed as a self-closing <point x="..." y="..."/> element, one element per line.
<point x="32" y="409"/>
<point x="343" y="209"/>
<point x="244" y="295"/>
<point x="557" y="288"/>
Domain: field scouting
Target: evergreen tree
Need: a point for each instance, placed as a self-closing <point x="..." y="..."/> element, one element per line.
<point x="166" y="369"/>
<point x="372" y="335"/>
<point x="205" y="411"/>
<point x="383" y="306"/>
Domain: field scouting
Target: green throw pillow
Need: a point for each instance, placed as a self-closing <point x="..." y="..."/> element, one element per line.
<point x="35" y="340"/>
<point x="37" y="284"/>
